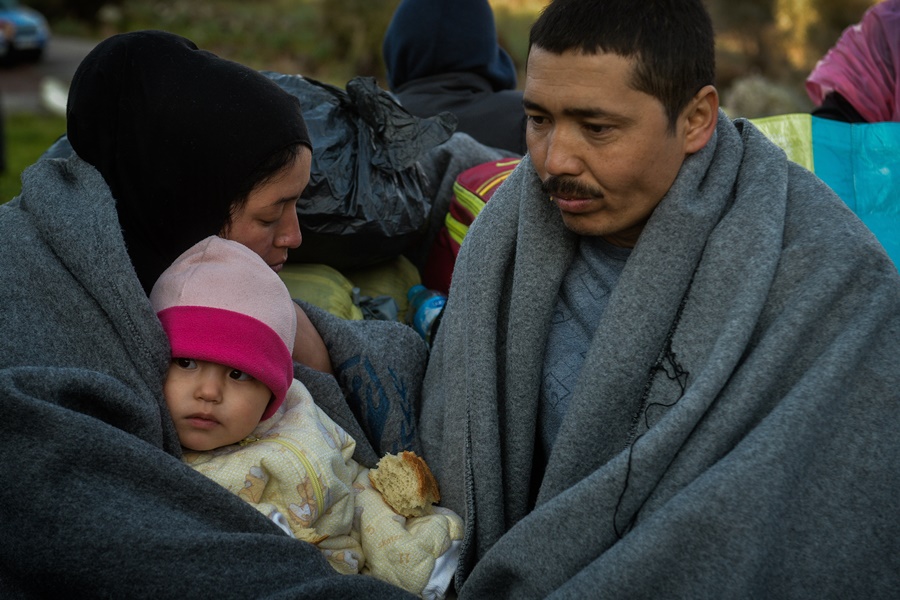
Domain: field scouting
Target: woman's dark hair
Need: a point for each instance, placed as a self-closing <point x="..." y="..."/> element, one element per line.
<point x="264" y="172"/>
<point x="672" y="42"/>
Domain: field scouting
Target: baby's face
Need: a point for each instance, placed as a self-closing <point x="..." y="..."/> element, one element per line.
<point x="213" y="405"/>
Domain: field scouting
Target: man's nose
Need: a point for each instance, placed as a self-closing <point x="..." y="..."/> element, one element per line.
<point x="562" y="157"/>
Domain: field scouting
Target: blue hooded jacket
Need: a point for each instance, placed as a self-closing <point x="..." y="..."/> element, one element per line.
<point x="443" y="55"/>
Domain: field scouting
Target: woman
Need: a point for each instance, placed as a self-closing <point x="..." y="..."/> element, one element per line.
<point x="172" y="144"/>
<point x="160" y="153"/>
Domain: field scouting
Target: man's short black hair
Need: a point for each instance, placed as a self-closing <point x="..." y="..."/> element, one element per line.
<point x="672" y="41"/>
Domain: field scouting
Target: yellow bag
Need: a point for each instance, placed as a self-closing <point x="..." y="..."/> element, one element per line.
<point x="389" y="278"/>
<point x="331" y="290"/>
<point x="321" y="286"/>
<point x="793" y="133"/>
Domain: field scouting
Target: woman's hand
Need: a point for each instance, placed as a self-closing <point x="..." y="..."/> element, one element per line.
<point x="309" y="347"/>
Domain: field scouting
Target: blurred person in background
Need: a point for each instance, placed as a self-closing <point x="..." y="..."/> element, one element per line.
<point x="443" y="55"/>
<point x="858" y="79"/>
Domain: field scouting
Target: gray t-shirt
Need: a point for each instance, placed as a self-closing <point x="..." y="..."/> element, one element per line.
<point x="582" y="299"/>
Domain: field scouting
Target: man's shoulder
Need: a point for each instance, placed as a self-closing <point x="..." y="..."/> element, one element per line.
<point x="820" y="227"/>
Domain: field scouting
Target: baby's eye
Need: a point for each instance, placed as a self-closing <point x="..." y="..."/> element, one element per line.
<point x="240" y="375"/>
<point x="185" y="363"/>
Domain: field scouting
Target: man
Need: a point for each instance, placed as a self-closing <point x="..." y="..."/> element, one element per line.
<point x="668" y="366"/>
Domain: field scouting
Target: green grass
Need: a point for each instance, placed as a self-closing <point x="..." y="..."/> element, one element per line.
<point x="27" y="137"/>
<point x="330" y="40"/>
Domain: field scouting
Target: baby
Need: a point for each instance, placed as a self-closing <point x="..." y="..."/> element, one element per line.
<point x="246" y="423"/>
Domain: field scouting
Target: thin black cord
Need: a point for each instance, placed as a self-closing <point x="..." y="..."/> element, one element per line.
<point x="678" y="374"/>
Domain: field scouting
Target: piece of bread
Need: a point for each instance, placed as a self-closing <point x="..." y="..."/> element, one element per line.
<point x="406" y="483"/>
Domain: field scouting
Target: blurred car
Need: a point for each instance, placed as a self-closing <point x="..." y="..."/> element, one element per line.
<point x="24" y="32"/>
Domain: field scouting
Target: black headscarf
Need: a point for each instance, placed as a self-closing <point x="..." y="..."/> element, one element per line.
<point x="176" y="133"/>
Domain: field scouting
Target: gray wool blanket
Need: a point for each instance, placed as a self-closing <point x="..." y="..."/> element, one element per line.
<point x="95" y="500"/>
<point x="735" y="431"/>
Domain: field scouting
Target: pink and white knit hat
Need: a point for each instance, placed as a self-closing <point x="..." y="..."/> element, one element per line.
<point x="220" y="302"/>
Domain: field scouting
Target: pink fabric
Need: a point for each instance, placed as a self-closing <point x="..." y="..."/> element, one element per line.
<point x="864" y="65"/>
<point x="233" y="339"/>
<point x="220" y="302"/>
<point x="221" y="273"/>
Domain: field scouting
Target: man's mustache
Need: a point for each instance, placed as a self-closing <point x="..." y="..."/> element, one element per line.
<point x="568" y="188"/>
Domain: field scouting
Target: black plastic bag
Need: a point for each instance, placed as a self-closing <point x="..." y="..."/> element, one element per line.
<point x="366" y="200"/>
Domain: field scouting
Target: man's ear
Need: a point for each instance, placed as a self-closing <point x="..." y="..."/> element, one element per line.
<point x="700" y="117"/>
